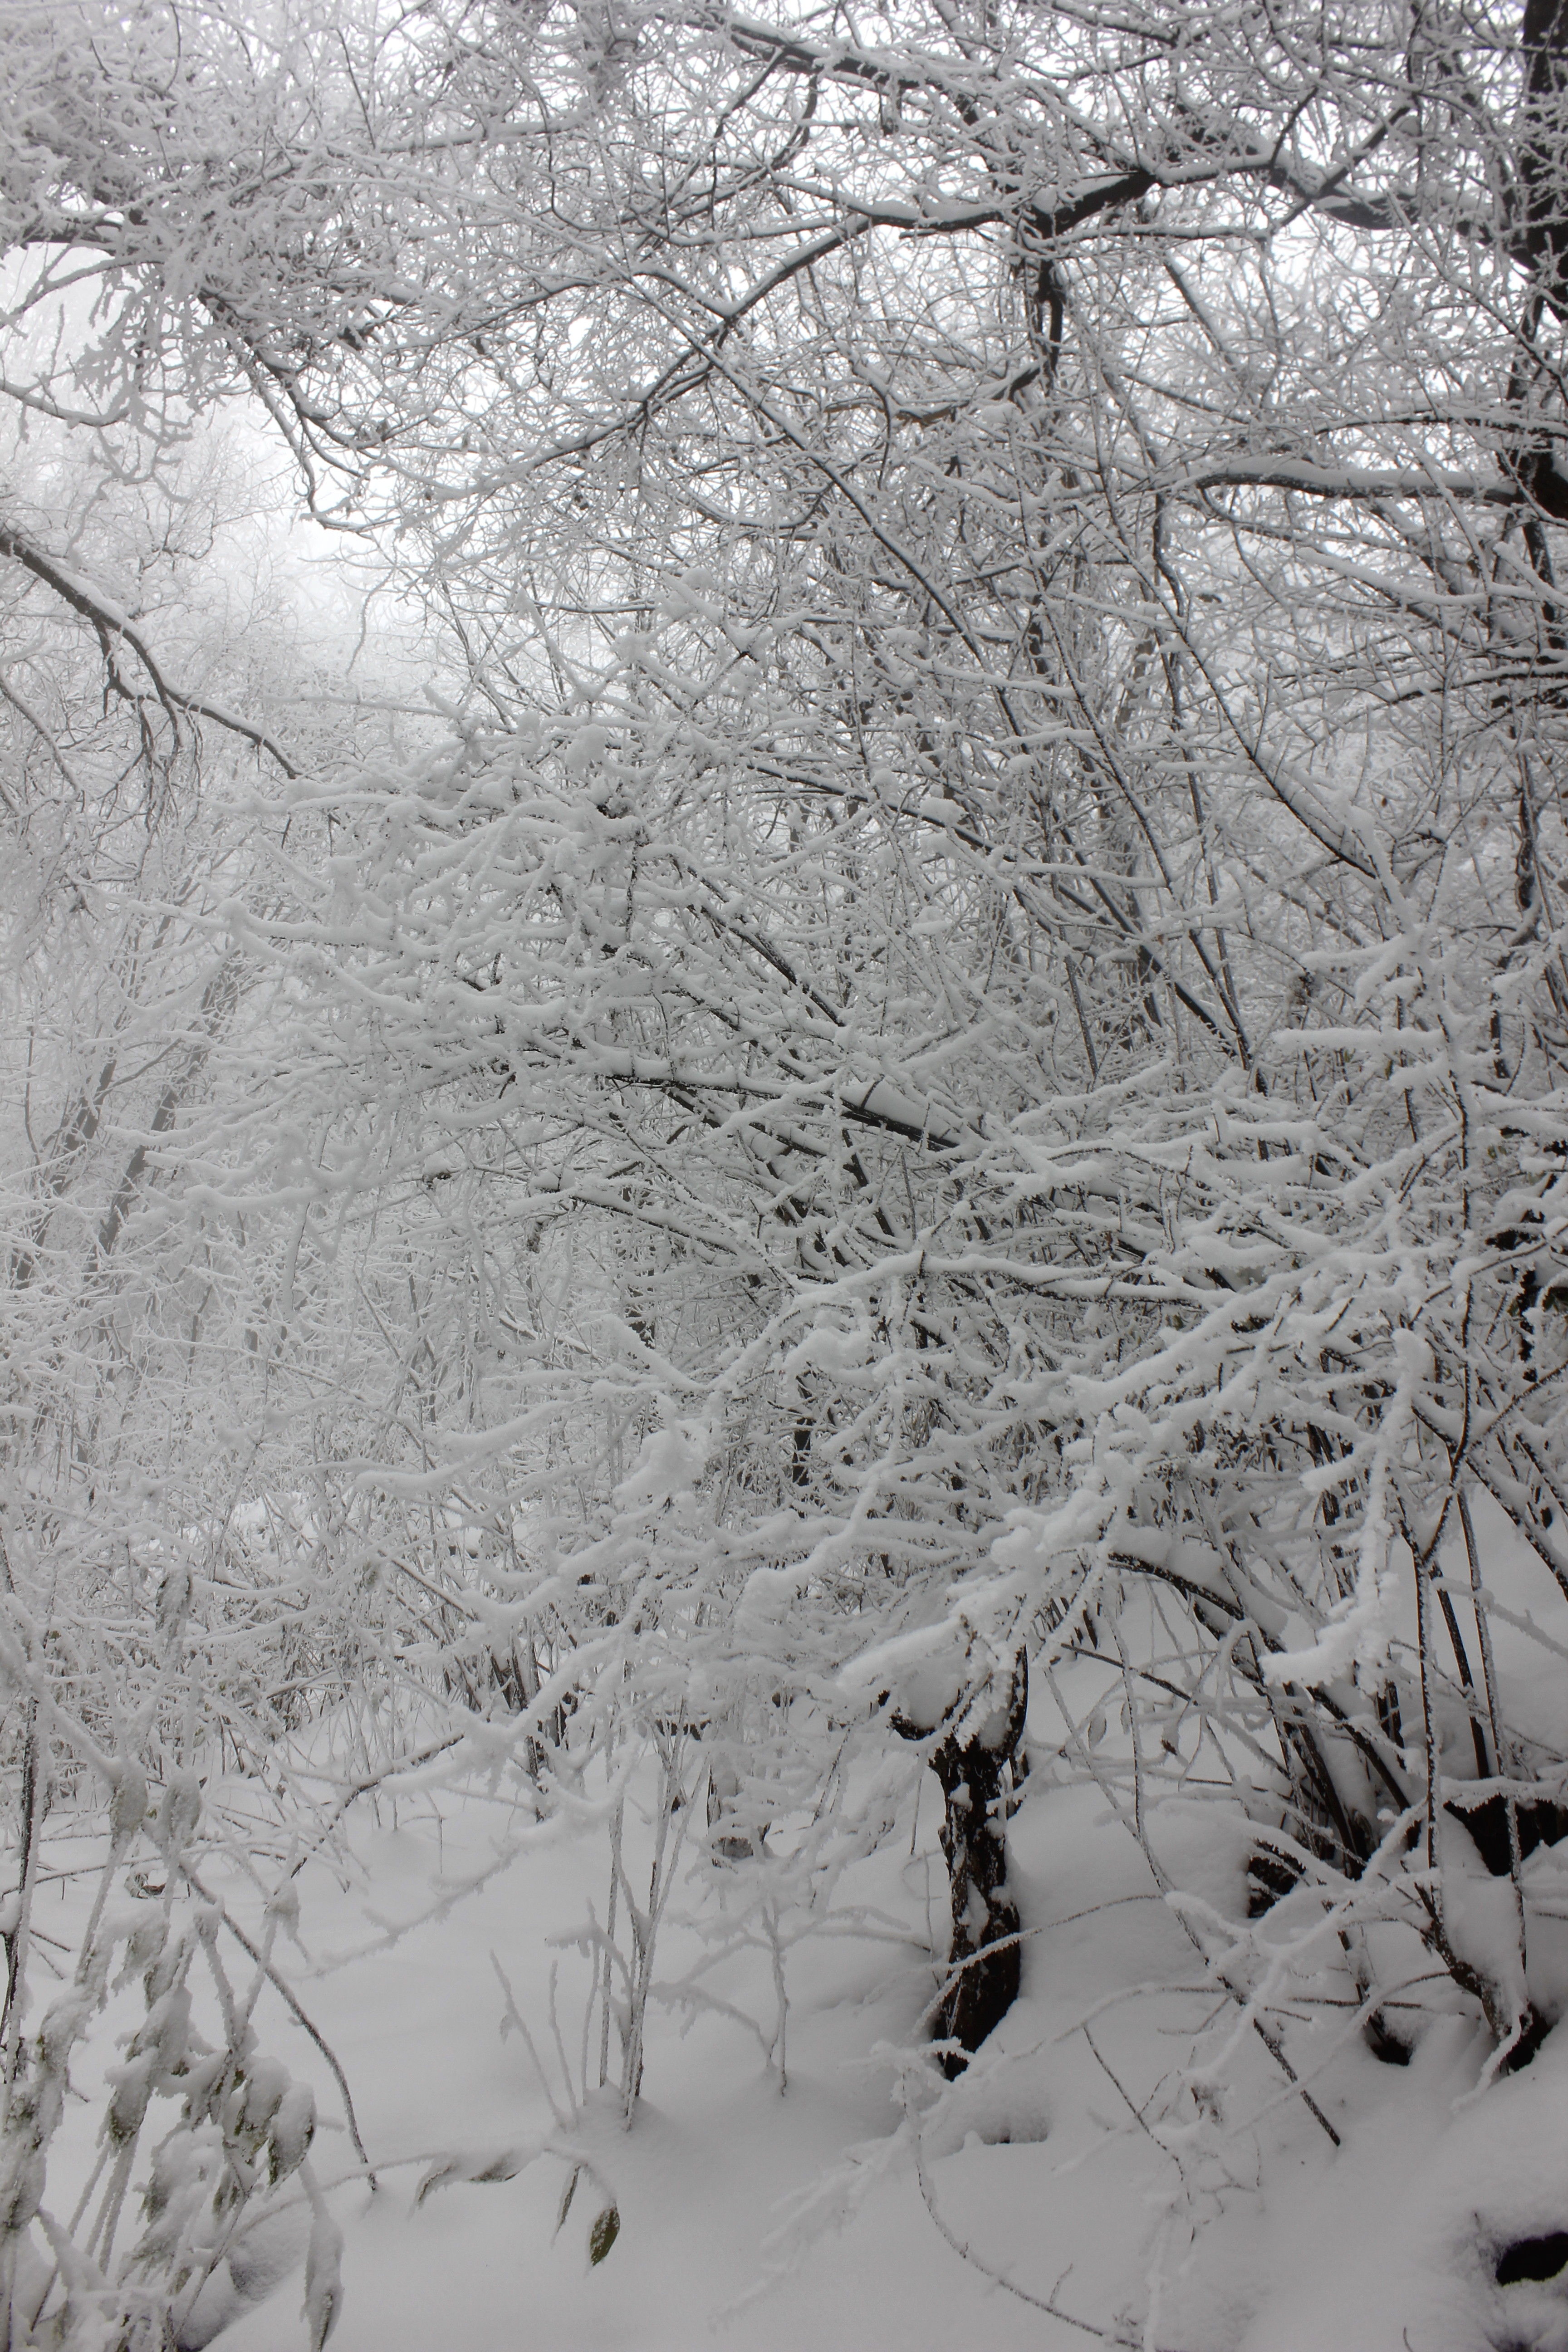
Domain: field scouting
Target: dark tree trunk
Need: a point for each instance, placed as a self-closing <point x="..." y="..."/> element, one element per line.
<point x="975" y="1765"/>
<point x="1539" y="195"/>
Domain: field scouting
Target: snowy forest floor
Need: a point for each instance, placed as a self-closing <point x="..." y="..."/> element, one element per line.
<point x="758" y="2220"/>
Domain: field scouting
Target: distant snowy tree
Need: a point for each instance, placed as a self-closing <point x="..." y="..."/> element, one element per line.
<point x="149" y="1641"/>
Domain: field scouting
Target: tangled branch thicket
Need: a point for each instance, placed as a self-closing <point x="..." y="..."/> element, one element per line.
<point x="948" y="1064"/>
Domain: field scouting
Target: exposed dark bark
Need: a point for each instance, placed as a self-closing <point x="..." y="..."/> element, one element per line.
<point x="1538" y="1823"/>
<point x="1540" y="204"/>
<point x="974" y="1763"/>
<point x="1533" y="2258"/>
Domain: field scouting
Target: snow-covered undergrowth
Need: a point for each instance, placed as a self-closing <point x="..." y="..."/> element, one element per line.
<point x="1129" y="2155"/>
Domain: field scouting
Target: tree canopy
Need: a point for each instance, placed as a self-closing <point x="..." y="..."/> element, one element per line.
<point x="942" y="1054"/>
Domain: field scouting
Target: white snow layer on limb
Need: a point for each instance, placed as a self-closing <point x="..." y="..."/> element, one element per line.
<point x="942" y="1676"/>
<point x="671" y="1464"/>
<point x="1042" y="1556"/>
<point x="927" y="1672"/>
<point x="1359" y="1628"/>
<point x="1062" y="1554"/>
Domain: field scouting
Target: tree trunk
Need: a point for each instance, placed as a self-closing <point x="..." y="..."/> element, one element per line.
<point x="975" y="1764"/>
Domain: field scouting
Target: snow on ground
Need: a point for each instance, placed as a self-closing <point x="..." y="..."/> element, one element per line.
<point x="759" y="2221"/>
